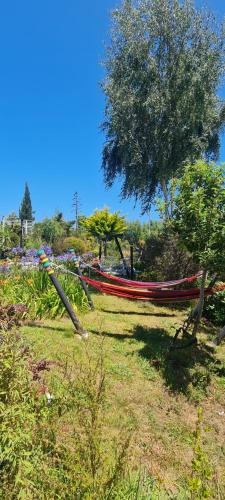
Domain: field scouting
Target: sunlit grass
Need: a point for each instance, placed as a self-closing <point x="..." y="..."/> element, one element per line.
<point x="148" y="391"/>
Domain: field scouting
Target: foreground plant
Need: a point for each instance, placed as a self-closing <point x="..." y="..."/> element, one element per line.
<point x="202" y="474"/>
<point x="11" y="315"/>
<point x="34" y="290"/>
<point x="199" y="221"/>
<point x="58" y="447"/>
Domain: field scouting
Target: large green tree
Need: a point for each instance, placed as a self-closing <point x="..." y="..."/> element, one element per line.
<point x="26" y="212"/>
<point x="163" y="69"/>
<point x="199" y="221"/>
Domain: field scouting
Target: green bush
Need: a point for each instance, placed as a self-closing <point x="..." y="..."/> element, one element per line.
<point x="61" y="246"/>
<point x="164" y="259"/>
<point x="214" y="309"/>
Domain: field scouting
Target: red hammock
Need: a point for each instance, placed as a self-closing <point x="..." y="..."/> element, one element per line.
<point x="149" y="284"/>
<point x="150" y="295"/>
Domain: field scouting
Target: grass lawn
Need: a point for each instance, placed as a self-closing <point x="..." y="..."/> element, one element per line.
<point x="155" y="394"/>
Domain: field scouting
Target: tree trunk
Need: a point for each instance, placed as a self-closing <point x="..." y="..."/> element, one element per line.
<point x="218" y="339"/>
<point x="100" y="250"/>
<point x="166" y="198"/>
<point x="122" y="256"/>
<point x="197" y="313"/>
<point x="105" y="248"/>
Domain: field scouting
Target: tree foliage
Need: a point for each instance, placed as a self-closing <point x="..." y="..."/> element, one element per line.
<point x="199" y="220"/>
<point x="199" y="214"/>
<point x="104" y="225"/>
<point x="26" y="212"/>
<point x="163" y="68"/>
<point x="164" y="259"/>
<point x="49" y="230"/>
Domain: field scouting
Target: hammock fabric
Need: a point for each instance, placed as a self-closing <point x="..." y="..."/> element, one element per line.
<point x="149" y="284"/>
<point x="150" y="295"/>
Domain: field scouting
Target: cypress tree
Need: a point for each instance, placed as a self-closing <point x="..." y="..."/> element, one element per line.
<point x="26" y="212"/>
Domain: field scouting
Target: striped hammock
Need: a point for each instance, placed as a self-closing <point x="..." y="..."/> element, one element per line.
<point x="148" y="284"/>
<point x="150" y="295"/>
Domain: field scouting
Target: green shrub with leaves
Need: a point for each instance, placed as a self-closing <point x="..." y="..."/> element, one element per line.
<point x="79" y="244"/>
<point x="164" y="259"/>
<point x="199" y="220"/>
<point x="214" y="309"/>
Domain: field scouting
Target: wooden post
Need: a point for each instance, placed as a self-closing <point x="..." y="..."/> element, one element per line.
<point x="83" y="284"/>
<point x="122" y="256"/>
<point x="47" y="266"/>
<point x="132" y="262"/>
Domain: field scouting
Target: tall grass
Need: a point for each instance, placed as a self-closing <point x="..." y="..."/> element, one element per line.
<point x="59" y="449"/>
<point x="34" y="289"/>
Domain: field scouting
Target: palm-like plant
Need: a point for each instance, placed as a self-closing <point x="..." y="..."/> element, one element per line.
<point x="106" y="226"/>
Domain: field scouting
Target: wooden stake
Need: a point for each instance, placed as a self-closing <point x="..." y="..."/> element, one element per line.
<point x="83" y="284"/>
<point x="47" y="266"/>
<point x="122" y="256"/>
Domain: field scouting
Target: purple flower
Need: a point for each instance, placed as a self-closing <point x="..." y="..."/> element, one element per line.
<point x="31" y="252"/>
<point x="4" y="269"/>
<point x="17" y="250"/>
<point x="47" y="249"/>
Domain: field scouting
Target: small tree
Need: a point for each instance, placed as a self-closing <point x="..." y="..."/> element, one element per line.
<point x="199" y="220"/>
<point x="49" y="230"/>
<point x="26" y="212"/>
<point x="105" y="226"/>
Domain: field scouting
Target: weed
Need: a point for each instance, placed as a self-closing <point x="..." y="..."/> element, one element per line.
<point x="35" y="460"/>
<point x="200" y="482"/>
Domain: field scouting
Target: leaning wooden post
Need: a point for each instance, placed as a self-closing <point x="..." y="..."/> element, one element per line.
<point x="83" y="284"/>
<point x="122" y="256"/>
<point x="47" y="266"/>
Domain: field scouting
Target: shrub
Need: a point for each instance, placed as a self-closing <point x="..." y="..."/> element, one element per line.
<point x="11" y="315"/>
<point x="164" y="259"/>
<point x="214" y="309"/>
<point x="60" y="246"/>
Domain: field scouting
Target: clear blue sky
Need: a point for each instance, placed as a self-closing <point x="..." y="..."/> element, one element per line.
<point x="51" y="105"/>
